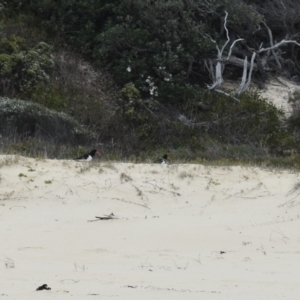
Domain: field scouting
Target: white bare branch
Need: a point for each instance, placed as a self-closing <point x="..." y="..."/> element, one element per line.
<point x="218" y="76"/>
<point x="226" y="94"/>
<point x="250" y="71"/>
<point x="244" y="78"/>
<point x="227" y="33"/>
<point x="230" y="50"/>
<point x="246" y="82"/>
<point x="272" y="44"/>
<point x="283" y="42"/>
<point x="209" y="66"/>
<point x="220" y="61"/>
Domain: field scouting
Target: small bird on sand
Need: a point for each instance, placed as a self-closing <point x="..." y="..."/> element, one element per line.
<point x="89" y="156"/>
<point x="164" y="160"/>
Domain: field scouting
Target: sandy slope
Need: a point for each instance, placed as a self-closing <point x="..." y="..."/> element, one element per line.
<point x="277" y="91"/>
<point x="174" y="223"/>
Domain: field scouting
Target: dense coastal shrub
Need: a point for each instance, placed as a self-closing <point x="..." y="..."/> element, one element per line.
<point x="24" y="119"/>
<point x="21" y="70"/>
<point x="159" y="46"/>
<point x="249" y="121"/>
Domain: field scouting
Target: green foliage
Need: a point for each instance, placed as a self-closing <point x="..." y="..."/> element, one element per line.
<point x="7" y="64"/>
<point x="22" y="70"/>
<point x="32" y="66"/>
<point x="23" y="119"/>
<point x="137" y="112"/>
<point x="49" y="95"/>
<point x="243" y="18"/>
<point x="130" y="93"/>
<point x="8" y="51"/>
<point x="156" y="42"/>
<point x="251" y="121"/>
<point x="11" y="45"/>
<point x="159" y="46"/>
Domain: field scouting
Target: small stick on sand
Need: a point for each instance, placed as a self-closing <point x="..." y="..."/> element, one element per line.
<point x="106" y="217"/>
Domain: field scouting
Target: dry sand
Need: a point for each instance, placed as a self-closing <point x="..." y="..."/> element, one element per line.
<point x="277" y="91"/>
<point x="180" y="231"/>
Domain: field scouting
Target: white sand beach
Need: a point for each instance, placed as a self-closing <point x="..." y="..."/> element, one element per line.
<point x="179" y="231"/>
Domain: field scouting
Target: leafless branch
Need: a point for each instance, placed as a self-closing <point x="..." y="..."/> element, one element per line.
<point x="218" y="78"/>
<point x="272" y="44"/>
<point x="218" y="70"/>
<point x="230" y="50"/>
<point x="256" y="62"/>
<point x="283" y="42"/>
<point x="246" y="82"/>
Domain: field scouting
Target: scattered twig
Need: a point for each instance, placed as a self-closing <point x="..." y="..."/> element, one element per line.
<point x="107" y="183"/>
<point x="89" y="183"/>
<point x="131" y="202"/>
<point x="106" y="217"/>
<point x="17" y="206"/>
<point x="281" y="235"/>
<point x="73" y="281"/>
<point x="80" y="268"/>
<point x="198" y="260"/>
<point x="181" y="268"/>
<point x="28" y="187"/>
<point x="161" y="188"/>
<point x="9" y="263"/>
<point x="7" y="195"/>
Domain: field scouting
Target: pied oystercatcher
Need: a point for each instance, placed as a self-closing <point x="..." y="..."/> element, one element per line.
<point x="89" y="156"/>
<point x="165" y="159"/>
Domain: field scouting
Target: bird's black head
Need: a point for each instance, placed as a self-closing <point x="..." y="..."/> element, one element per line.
<point x="94" y="151"/>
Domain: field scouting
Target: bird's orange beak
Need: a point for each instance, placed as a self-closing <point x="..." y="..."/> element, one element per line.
<point x="98" y="153"/>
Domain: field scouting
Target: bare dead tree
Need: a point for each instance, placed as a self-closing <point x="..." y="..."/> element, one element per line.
<point x="216" y="73"/>
<point x="244" y="85"/>
<point x="284" y="15"/>
<point x="220" y="63"/>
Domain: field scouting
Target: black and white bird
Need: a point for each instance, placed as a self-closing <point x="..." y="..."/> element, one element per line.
<point x="164" y="160"/>
<point x="89" y="156"/>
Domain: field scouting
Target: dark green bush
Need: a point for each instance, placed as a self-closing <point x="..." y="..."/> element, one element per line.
<point x="21" y="70"/>
<point x="49" y="95"/>
<point x="249" y="121"/>
<point x="23" y="119"/>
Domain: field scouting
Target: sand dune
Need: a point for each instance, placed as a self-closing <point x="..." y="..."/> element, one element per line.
<point x="179" y="231"/>
<point x="278" y="91"/>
